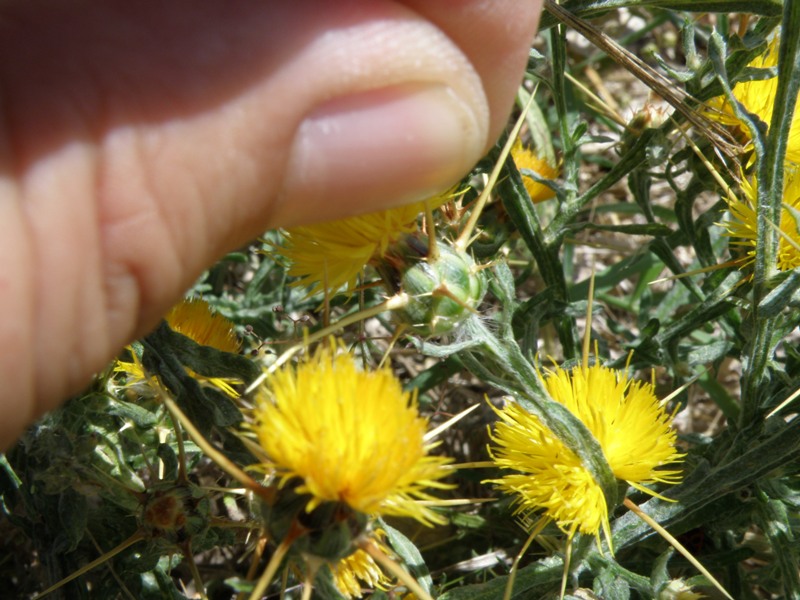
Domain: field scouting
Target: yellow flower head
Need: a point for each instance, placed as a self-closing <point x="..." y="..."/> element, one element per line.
<point x="625" y="418"/>
<point x="329" y="256"/>
<point x="137" y="381"/>
<point x="743" y="226"/>
<point x="527" y="159"/>
<point x="549" y="476"/>
<point x="758" y="97"/>
<point x="350" y="572"/>
<point x="196" y="320"/>
<point x="349" y="436"/>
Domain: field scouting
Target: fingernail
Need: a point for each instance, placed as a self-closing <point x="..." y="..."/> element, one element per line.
<point x="380" y="149"/>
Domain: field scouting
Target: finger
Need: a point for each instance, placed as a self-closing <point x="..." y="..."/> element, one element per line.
<point x="142" y="142"/>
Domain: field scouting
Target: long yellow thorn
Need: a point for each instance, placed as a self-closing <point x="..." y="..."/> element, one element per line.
<point x="465" y="236"/>
<point x="272" y="568"/>
<point x="218" y="457"/>
<point x="675" y="544"/>
<point x="397" y="301"/>
<point x="395" y="569"/>
<point x="136" y="537"/>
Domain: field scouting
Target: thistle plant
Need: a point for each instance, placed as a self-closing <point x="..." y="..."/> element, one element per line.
<point x="572" y="375"/>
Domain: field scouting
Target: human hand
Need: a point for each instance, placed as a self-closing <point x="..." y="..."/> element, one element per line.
<point x="141" y="142"/>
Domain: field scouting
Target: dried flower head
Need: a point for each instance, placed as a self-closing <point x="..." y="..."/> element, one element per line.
<point x="525" y="158"/>
<point x="346" y="435"/>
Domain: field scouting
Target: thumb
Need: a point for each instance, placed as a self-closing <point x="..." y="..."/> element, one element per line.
<point x="141" y="142"/>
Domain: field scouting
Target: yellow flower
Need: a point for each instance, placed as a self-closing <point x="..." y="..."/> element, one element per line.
<point x="744" y="224"/>
<point x="550" y="477"/>
<point x="349" y="436"/>
<point x="624" y="416"/>
<point x="527" y="159"/>
<point x="329" y="256"/>
<point x="135" y="380"/>
<point x="758" y="97"/>
<point x="195" y="319"/>
<point x="351" y="571"/>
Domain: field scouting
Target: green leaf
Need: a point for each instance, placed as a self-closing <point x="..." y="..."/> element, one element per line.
<point x="610" y="586"/>
<point x="410" y="555"/>
<point x="533" y="581"/>
<point x="651" y="229"/>
<point x="775" y="521"/>
<point x="170" y="460"/>
<point x="435" y="375"/>
<point x="785" y="293"/>
<point x="72" y="515"/>
<point x="205" y="360"/>
<point x="205" y="405"/>
<point x="133" y="412"/>
<point x="659" y="575"/>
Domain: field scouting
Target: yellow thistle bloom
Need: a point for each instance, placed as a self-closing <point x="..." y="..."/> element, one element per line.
<point x="329" y="256"/>
<point x="550" y="477"/>
<point x="758" y="97"/>
<point x="625" y="417"/>
<point x="527" y="159"/>
<point x="196" y="320"/>
<point x="744" y="224"/>
<point x="627" y="420"/>
<point x="348" y="436"/>
<point x="350" y="572"/>
<point x="136" y="382"/>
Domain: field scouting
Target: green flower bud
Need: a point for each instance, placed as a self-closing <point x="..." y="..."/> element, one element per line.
<point x="443" y="289"/>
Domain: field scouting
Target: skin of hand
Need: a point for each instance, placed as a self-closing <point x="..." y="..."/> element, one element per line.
<point x="140" y="142"/>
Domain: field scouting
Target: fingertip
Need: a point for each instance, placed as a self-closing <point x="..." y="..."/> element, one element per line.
<point x="380" y="148"/>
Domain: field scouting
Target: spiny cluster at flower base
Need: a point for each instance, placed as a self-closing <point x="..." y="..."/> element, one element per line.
<point x="344" y="445"/>
<point x="624" y="416"/>
<point x="443" y="283"/>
